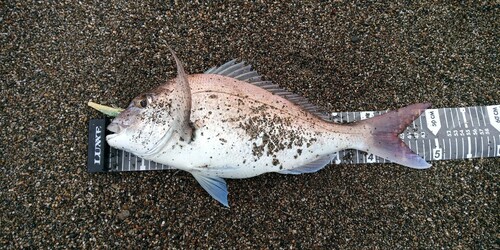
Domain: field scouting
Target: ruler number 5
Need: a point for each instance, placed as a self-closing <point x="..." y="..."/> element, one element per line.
<point x="437" y="153"/>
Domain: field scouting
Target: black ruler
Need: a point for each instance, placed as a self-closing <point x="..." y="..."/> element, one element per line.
<point x="98" y="151"/>
<point x="438" y="134"/>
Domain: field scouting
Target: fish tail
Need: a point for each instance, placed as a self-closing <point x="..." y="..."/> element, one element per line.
<point x="383" y="136"/>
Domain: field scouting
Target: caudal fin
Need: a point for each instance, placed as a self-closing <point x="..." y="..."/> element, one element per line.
<point x="384" y="140"/>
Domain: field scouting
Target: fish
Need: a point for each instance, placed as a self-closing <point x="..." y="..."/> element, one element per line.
<point x="228" y="123"/>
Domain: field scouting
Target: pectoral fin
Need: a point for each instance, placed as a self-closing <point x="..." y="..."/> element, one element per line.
<point x="215" y="186"/>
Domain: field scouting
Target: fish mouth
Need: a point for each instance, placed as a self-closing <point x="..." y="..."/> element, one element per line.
<point x="116" y="129"/>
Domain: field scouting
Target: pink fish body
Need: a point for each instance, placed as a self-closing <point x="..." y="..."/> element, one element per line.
<point x="228" y="123"/>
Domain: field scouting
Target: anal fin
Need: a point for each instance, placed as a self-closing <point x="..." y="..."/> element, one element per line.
<point x="310" y="167"/>
<point x="215" y="186"/>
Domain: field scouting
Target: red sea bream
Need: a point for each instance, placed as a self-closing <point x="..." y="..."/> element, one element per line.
<point x="227" y="123"/>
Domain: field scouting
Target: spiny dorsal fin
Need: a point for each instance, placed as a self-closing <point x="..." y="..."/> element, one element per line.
<point x="244" y="72"/>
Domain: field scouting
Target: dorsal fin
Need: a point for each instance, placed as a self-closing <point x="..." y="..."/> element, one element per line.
<point x="244" y="72"/>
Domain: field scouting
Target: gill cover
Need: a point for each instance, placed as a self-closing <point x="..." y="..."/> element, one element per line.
<point x="154" y="118"/>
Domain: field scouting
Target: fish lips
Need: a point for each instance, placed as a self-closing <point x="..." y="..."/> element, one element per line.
<point x="116" y="129"/>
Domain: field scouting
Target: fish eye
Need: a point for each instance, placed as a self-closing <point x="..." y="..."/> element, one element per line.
<point x="144" y="103"/>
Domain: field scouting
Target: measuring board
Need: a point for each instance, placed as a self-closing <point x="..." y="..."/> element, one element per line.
<point x="438" y="134"/>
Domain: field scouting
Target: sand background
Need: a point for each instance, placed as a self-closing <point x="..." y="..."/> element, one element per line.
<point x="342" y="55"/>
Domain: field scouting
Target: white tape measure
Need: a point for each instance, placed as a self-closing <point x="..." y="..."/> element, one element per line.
<point x="438" y="134"/>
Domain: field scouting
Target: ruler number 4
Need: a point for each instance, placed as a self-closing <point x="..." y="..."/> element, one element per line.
<point x="371" y="158"/>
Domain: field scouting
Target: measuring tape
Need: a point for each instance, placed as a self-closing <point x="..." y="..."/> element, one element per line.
<point x="438" y="134"/>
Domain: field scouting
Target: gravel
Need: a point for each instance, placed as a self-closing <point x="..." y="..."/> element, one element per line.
<point x="343" y="56"/>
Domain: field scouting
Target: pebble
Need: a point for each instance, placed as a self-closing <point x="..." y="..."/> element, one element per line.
<point x="123" y="214"/>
